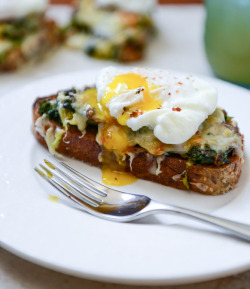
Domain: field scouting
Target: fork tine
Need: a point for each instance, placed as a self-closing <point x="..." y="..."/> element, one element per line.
<point x="65" y="191"/>
<point x="86" y="194"/>
<point x="87" y="190"/>
<point x="99" y="189"/>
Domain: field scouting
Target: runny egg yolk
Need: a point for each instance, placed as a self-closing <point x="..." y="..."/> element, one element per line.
<point x="113" y="137"/>
<point x="53" y="198"/>
<point x="132" y="81"/>
<point x="117" y="178"/>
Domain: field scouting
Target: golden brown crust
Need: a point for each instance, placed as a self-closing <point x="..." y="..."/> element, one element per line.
<point x="168" y="171"/>
<point x="214" y="180"/>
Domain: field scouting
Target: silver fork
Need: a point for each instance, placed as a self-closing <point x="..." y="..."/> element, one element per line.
<point x="114" y="205"/>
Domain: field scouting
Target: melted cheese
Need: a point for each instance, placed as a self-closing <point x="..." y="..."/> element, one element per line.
<point x="88" y="99"/>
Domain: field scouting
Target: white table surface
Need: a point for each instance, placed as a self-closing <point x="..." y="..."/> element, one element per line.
<point x="179" y="46"/>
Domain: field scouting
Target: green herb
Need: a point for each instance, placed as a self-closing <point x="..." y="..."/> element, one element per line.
<point x="90" y="48"/>
<point x="67" y="104"/>
<point x="46" y="107"/>
<point x="228" y="118"/>
<point x="144" y="130"/>
<point x="70" y="99"/>
<point x="58" y="137"/>
<point x="185" y="179"/>
<point x="83" y="27"/>
<point x="207" y="156"/>
<point x="3" y="57"/>
<point x="17" y="30"/>
<point x="70" y="91"/>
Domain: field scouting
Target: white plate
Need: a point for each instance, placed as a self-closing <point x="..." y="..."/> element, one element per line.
<point x="158" y="250"/>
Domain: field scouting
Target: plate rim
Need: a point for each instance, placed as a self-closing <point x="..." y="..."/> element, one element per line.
<point x="124" y="281"/>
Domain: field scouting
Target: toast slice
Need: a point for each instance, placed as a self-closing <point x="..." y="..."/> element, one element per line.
<point x="110" y="32"/>
<point x="25" y="40"/>
<point x="201" y="170"/>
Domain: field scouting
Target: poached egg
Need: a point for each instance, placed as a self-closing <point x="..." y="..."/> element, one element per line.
<point x="173" y="105"/>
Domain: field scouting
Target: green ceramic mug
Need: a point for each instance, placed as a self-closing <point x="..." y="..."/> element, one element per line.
<point x="227" y="39"/>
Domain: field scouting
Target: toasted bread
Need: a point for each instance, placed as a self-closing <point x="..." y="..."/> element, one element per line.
<point x="32" y="46"/>
<point x="174" y="171"/>
<point x="109" y="32"/>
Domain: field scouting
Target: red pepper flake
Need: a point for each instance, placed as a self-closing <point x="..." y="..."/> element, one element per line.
<point x="169" y="93"/>
<point x="135" y="113"/>
<point x="197" y="133"/>
<point x="177" y="91"/>
<point x="176" y="109"/>
<point x="216" y="162"/>
<point x="180" y="83"/>
<point x="160" y="106"/>
<point x="139" y="90"/>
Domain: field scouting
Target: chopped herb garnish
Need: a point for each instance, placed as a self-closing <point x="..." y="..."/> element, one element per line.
<point x="208" y="156"/>
<point x="228" y="118"/>
<point x="46" y="107"/>
<point x="67" y="104"/>
<point x="17" y="30"/>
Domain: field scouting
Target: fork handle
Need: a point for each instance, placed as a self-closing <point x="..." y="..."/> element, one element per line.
<point x="235" y="228"/>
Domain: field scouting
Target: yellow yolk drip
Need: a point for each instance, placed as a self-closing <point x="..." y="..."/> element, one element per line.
<point x="53" y="198"/>
<point x="117" y="178"/>
<point x="90" y="97"/>
<point x="132" y="81"/>
<point x="114" y="138"/>
<point x="111" y="135"/>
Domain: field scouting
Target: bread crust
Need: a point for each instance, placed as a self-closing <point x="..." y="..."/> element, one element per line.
<point x="170" y="171"/>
